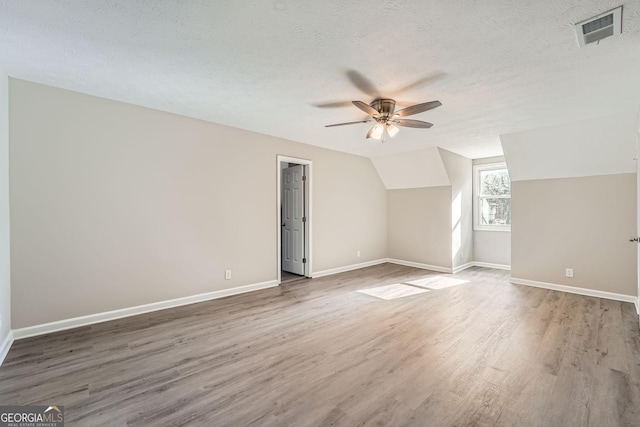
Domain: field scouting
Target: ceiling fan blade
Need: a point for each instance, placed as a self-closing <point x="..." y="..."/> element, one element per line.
<point x="347" y="123"/>
<point x="412" y="123"/>
<point x="418" y="108"/>
<point x="363" y="83"/>
<point x="366" y="108"/>
<point x="423" y="81"/>
<point x="335" y="104"/>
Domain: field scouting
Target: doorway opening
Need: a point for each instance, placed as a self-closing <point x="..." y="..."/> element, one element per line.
<point x="294" y="218"/>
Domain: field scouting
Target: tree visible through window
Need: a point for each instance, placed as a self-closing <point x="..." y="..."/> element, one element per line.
<point x="493" y="197"/>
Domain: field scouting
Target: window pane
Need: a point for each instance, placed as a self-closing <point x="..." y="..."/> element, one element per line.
<point x="495" y="211"/>
<point x="495" y="183"/>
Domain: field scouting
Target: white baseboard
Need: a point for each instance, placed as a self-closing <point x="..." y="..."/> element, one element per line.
<point x="420" y="265"/>
<point x="91" y="319"/>
<point x="463" y="267"/>
<point x="574" y="290"/>
<point x="637" y="303"/>
<point x="337" y="270"/>
<point x="447" y="269"/>
<point x="5" y="346"/>
<point x="491" y="265"/>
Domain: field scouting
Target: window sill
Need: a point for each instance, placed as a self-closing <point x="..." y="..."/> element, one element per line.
<point x="490" y="228"/>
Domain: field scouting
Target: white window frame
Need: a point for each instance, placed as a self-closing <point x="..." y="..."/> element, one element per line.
<point x="477" y="225"/>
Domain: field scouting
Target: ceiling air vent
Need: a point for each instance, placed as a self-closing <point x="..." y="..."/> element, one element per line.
<point x="599" y="27"/>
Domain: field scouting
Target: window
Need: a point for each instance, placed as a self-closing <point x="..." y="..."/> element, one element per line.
<point x="492" y="197"/>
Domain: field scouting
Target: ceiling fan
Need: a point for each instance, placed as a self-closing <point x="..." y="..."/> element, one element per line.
<point x="382" y="111"/>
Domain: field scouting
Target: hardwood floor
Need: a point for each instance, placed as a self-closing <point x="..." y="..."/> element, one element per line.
<point x="286" y="277"/>
<point x="317" y="353"/>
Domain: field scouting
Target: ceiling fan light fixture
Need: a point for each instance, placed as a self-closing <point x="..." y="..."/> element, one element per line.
<point x="370" y="133"/>
<point x="392" y="130"/>
<point x="382" y="111"/>
<point x="377" y="131"/>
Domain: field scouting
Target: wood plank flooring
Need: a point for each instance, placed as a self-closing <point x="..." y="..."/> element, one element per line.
<point x="317" y="353"/>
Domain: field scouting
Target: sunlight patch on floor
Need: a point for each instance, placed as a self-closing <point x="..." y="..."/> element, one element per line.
<point x="438" y="282"/>
<point x="395" y="291"/>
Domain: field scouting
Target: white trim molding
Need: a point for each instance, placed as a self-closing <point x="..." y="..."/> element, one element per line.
<point x="574" y="290"/>
<point x="447" y="269"/>
<point x="491" y="265"/>
<point x="420" y="265"/>
<point x="337" y="270"/>
<point x="477" y="169"/>
<point x="308" y="205"/>
<point x="5" y="346"/>
<point x="91" y="319"/>
<point x="463" y="267"/>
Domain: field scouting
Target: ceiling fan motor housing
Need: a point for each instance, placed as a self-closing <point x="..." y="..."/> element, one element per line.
<point x="384" y="106"/>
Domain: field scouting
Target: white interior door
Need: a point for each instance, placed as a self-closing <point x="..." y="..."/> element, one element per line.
<point x="293" y="219"/>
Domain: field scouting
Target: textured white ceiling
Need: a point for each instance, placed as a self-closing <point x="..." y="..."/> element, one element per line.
<point x="273" y="66"/>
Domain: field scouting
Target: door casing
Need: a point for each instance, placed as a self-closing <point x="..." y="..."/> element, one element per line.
<point x="638" y="211"/>
<point x="293" y="218"/>
<point x="308" y="164"/>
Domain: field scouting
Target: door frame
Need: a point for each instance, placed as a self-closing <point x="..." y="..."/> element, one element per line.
<point x="308" y="168"/>
<point x="638" y="213"/>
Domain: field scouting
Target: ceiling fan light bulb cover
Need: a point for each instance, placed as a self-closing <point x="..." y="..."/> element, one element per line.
<point x="378" y="129"/>
<point x="393" y="130"/>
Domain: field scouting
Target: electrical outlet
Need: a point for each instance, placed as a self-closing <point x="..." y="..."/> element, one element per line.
<point x="568" y="272"/>
<point x="358" y="254"/>
<point x="227" y="274"/>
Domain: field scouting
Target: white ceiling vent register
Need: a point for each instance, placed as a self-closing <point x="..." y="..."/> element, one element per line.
<point x="599" y="27"/>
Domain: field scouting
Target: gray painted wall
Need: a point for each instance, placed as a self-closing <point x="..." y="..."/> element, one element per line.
<point x="115" y="205"/>
<point x="460" y="172"/>
<point x="492" y="247"/>
<point x="5" y="273"/>
<point x="419" y="225"/>
<point x="580" y="223"/>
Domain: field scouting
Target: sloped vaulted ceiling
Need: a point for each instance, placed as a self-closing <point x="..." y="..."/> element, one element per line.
<point x="286" y="68"/>
<point x="418" y="169"/>
<point x="604" y="146"/>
